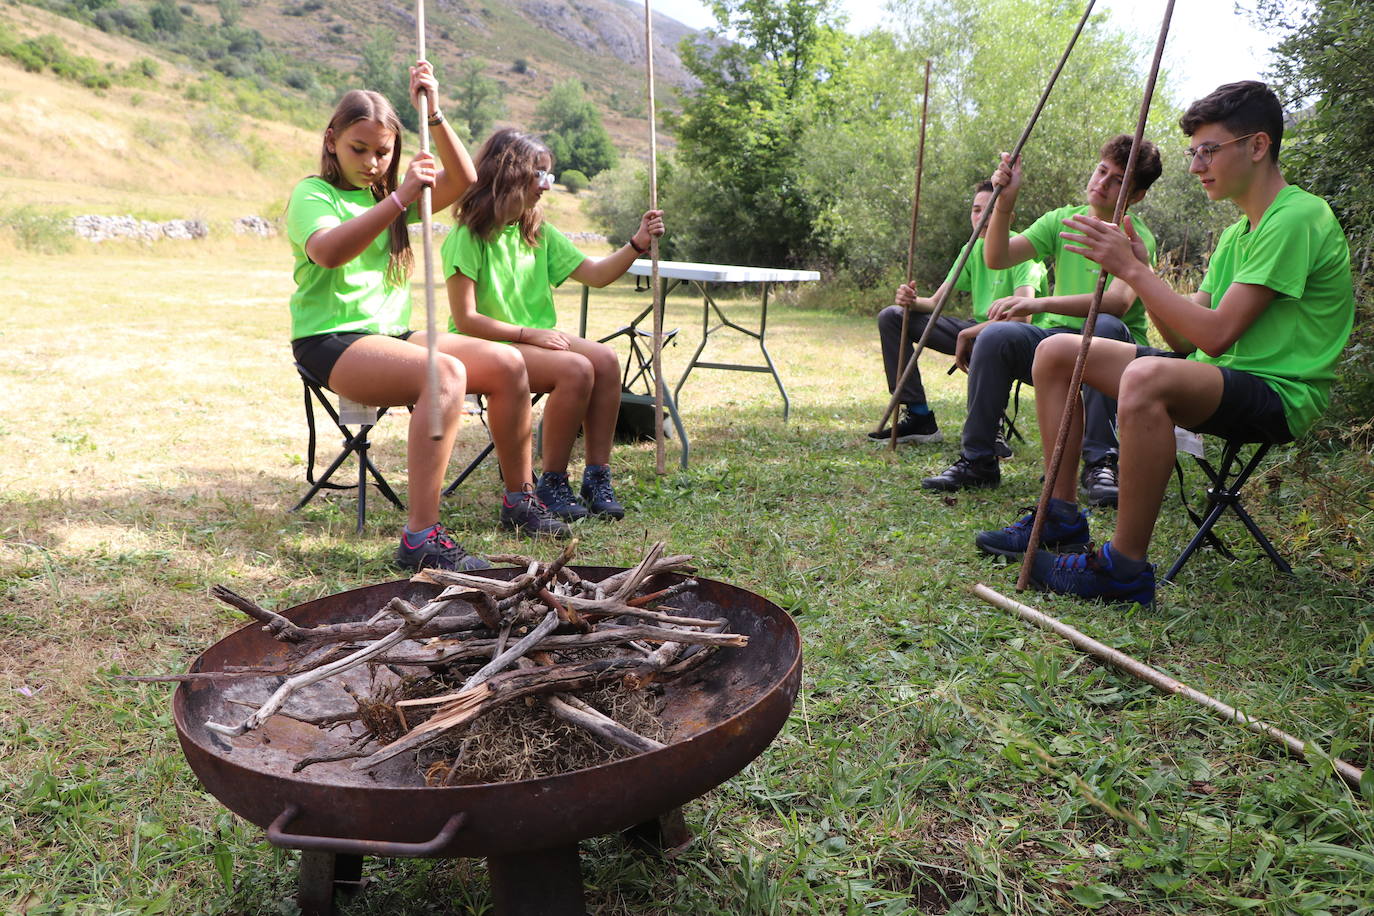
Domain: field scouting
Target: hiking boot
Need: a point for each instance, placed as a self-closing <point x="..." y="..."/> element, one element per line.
<point x="1011" y="541"/>
<point x="1099" y="480"/>
<point x="598" y="493"/>
<point x="1001" y="448"/>
<point x="437" y="551"/>
<point x="529" y="515"/>
<point x="555" y="492"/>
<point x="911" y="427"/>
<point x="1089" y="575"/>
<point x="966" y="474"/>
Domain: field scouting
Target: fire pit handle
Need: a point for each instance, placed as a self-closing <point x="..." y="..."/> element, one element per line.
<point x="277" y="836"/>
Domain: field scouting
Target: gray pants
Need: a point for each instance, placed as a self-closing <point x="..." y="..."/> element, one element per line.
<point x="1004" y="352"/>
<point x="942" y="339"/>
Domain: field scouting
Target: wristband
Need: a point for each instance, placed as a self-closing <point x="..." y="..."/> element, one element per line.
<point x="436" y="119"/>
<point x="637" y="249"/>
<point x="395" y="199"/>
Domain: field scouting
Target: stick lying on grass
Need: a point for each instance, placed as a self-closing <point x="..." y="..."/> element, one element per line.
<point x="1350" y="773"/>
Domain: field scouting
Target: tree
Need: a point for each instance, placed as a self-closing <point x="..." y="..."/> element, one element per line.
<point x="571" y="126"/>
<point x="739" y="199"/>
<point x="477" y="100"/>
<point x="383" y="72"/>
<point x="1324" y="70"/>
<point x="860" y="163"/>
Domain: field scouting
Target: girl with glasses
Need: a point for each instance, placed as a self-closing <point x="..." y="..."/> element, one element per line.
<point x="502" y="263"/>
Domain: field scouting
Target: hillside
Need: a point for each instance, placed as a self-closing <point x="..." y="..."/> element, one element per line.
<point x="170" y="138"/>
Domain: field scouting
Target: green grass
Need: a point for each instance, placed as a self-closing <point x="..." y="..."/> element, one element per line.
<point x="942" y="756"/>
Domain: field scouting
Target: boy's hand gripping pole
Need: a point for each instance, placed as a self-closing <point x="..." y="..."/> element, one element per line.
<point x="982" y="224"/>
<point x="1090" y="322"/>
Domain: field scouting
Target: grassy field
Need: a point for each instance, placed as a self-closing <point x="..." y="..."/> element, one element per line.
<point x="942" y="757"/>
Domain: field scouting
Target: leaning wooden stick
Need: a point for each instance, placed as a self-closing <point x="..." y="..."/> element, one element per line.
<point x="1090" y="322"/>
<point x="982" y="224"/>
<point x="660" y="466"/>
<point x="911" y="240"/>
<point x="1349" y="772"/>
<point x="436" y="421"/>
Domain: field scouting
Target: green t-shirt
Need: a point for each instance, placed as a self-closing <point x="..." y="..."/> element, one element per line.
<point x="1075" y="275"/>
<point x="514" y="281"/>
<point x="1299" y="251"/>
<point x="354" y="296"/>
<point x="985" y="285"/>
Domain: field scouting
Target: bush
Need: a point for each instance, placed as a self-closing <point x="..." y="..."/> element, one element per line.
<point x="574" y="180"/>
<point x="39" y="230"/>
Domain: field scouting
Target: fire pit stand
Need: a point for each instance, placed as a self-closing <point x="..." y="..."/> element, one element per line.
<point x="546" y="882"/>
<point x="718" y="716"/>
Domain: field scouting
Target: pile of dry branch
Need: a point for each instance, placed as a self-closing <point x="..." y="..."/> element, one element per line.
<point x="481" y="643"/>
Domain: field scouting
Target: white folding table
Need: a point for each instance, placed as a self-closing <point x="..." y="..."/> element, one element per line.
<point x="673" y="274"/>
<point x="676" y="273"/>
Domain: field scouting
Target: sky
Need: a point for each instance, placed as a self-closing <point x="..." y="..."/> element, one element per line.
<point x="1209" y="43"/>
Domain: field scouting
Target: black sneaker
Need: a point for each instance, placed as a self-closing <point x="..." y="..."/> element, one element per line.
<point x="966" y="474"/>
<point x="1001" y="448"/>
<point x="437" y="551"/>
<point x="1012" y="540"/>
<point x="529" y="515"/>
<point x="911" y="427"/>
<point x="598" y="493"/>
<point x="555" y="492"/>
<point x="1099" y="480"/>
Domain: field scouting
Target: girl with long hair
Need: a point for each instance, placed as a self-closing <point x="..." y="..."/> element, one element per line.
<point x="350" y="314"/>
<point x="502" y="262"/>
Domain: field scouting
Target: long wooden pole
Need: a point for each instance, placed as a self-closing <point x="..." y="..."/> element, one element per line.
<point x="911" y="239"/>
<point x="982" y="224"/>
<point x="1348" y="772"/>
<point x="659" y="459"/>
<point x="436" y="420"/>
<point x="1090" y="322"/>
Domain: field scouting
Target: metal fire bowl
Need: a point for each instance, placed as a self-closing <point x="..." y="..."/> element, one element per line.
<point x="719" y="717"/>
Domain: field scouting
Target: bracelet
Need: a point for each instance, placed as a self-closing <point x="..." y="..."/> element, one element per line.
<point x="637" y="249"/>
<point x="436" y="119"/>
<point x="520" y="337"/>
<point x="395" y="199"/>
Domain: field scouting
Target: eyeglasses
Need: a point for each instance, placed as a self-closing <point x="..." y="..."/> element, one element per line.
<point x="1207" y="150"/>
<point x="543" y="178"/>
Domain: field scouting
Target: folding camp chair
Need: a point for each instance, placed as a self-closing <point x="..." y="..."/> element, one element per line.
<point x="475" y="463"/>
<point x="1226" y="479"/>
<point x="353" y="444"/>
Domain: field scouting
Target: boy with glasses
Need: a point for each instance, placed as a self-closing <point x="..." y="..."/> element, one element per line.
<point x="1005" y="351"/>
<point x="953" y="336"/>
<point x="1255" y="347"/>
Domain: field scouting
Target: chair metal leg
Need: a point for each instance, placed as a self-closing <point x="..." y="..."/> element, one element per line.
<point x="1223" y="493"/>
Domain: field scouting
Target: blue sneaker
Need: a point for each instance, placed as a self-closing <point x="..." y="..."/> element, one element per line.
<point x="1011" y="541"/>
<point x="598" y="493"/>
<point x="555" y="492"/>
<point x="1089" y="575"/>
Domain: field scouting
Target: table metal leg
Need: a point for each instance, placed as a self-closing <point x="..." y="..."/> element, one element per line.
<point x="709" y="305"/>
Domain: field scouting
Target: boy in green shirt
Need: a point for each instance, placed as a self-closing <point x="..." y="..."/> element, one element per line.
<point x="1005" y="352"/>
<point x="1261" y="339"/>
<point x="954" y="336"/>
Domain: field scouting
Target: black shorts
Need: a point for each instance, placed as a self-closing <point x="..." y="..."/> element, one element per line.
<point x="320" y="352"/>
<point x="1249" y="410"/>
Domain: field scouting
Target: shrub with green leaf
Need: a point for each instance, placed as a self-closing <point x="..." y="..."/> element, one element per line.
<point x="574" y="180"/>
